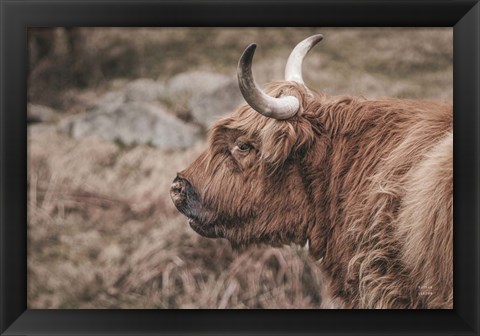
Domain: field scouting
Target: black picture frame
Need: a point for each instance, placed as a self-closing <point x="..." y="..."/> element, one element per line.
<point x="17" y="15"/>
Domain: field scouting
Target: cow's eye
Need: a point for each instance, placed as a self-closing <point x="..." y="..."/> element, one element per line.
<point x="243" y="146"/>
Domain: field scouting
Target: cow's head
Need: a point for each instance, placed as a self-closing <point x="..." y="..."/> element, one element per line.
<point x="248" y="185"/>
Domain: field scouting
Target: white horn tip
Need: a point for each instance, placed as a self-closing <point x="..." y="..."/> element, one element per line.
<point x="293" y="69"/>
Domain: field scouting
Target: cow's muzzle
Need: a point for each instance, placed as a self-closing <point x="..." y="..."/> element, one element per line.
<point x="184" y="197"/>
<point x="178" y="191"/>
<point x="187" y="201"/>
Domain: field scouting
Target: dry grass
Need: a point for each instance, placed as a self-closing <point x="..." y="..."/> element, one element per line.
<point x="103" y="234"/>
<point x="102" y="230"/>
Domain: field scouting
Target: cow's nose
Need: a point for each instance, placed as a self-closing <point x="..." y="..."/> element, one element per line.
<point x="178" y="190"/>
<point x="178" y="186"/>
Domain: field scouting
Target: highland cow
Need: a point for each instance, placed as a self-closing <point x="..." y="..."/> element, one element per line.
<point x="367" y="184"/>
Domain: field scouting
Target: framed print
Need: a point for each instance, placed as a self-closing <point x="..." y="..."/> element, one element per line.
<point x="201" y="167"/>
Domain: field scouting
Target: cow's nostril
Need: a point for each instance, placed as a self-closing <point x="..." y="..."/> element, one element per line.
<point x="177" y="187"/>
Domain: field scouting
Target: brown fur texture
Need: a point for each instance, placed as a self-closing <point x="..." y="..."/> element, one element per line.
<point x="368" y="183"/>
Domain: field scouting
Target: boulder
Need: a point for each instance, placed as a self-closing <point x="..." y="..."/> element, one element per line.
<point x="195" y="83"/>
<point x="140" y="90"/>
<point x="208" y="108"/>
<point x="109" y="102"/>
<point x="134" y="123"/>
<point x="185" y="89"/>
<point x="144" y="90"/>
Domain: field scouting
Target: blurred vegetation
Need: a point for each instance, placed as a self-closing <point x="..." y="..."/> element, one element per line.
<point x="102" y="230"/>
<point x="91" y="58"/>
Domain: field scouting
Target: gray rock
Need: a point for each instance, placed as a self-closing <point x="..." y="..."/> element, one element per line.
<point x="144" y="90"/>
<point x="140" y="90"/>
<point x="109" y="102"/>
<point x="183" y="91"/>
<point x="195" y="83"/>
<point x="134" y="123"/>
<point x="211" y="106"/>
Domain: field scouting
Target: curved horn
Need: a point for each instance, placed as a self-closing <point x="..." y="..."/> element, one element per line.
<point x="277" y="108"/>
<point x="293" y="69"/>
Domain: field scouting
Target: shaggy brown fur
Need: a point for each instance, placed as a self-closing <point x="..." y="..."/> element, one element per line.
<point x="367" y="182"/>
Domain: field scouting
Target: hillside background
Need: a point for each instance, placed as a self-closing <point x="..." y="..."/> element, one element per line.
<point x="114" y="113"/>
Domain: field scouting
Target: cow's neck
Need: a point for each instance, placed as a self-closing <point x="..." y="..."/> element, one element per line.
<point x="323" y="171"/>
<point x="327" y="176"/>
<point x="337" y="174"/>
<point x="315" y="169"/>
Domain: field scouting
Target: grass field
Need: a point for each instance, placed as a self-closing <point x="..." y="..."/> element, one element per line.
<point x="102" y="230"/>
